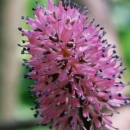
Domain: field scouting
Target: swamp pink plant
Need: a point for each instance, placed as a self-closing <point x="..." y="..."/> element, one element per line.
<point x="74" y="76"/>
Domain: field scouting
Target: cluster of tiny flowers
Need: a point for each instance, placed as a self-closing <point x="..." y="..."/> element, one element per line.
<point x="74" y="76"/>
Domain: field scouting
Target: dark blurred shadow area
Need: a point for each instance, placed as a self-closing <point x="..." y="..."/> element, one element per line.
<point x="15" y="101"/>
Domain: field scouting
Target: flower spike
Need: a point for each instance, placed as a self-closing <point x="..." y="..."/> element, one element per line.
<point x="74" y="76"/>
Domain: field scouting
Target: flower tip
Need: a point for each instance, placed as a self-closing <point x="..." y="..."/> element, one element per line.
<point x="33" y="9"/>
<point x="19" y="45"/>
<point x="88" y="119"/>
<point x="23" y="41"/>
<point x="20" y="29"/>
<point x="22" y="17"/>
<point x="127" y="102"/>
<point x="67" y="1"/>
<point x="111" y="114"/>
<point x="129" y="83"/>
<point x="36" y="2"/>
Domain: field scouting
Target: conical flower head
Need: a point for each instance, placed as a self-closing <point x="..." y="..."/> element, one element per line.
<point x="74" y="75"/>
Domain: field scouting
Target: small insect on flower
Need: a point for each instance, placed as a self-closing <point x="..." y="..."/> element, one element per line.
<point x="74" y="77"/>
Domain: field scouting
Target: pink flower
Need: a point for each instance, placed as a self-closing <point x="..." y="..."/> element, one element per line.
<point x="74" y="75"/>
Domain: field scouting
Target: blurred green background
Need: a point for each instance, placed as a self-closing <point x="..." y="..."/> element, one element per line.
<point x="120" y="18"/>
